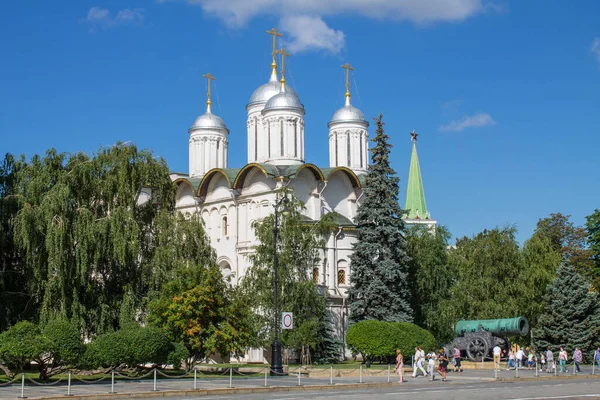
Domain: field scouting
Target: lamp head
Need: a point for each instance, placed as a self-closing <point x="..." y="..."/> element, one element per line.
<point x="286" y="210"/>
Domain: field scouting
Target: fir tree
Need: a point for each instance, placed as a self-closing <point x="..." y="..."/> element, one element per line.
<point x="571" y="316"/>
<point x="379" y="261"/>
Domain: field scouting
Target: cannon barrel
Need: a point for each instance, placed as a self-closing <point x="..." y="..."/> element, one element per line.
<point x="499" y="327"/>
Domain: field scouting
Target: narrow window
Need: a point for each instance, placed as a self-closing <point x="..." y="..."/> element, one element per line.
<point x="361" y="150"/>
<point x="296" y="138"/>
<point x="341" y="275"/>
<point x="281" y="136"/>
<point x="316" y="275"/>
<point x="255" y="139"/>
<point x="224" y="226"/>
<point x="348" y="146"/>
<point x="336" y="149"/>
<point x="269" y="144"/>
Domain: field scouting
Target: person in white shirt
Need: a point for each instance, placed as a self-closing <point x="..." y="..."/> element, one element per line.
<point x="497" y="351"/>
<point x="519" y="357"/>
<point x="431" y="358"/>
<point x="419" y="362"/>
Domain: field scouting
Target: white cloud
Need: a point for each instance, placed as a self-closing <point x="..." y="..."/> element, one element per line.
<point x="596" y="48"/>
<point x="100" y="17"/>
<point x="235" y="13"/>
<point x="311" y="33"/>
<point x="473" y="121"/>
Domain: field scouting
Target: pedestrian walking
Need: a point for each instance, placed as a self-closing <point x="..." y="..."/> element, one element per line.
<point x="519" y="357"/>
<point x="550" y="361"/>
<point x="530" y="360"/>
<point x="597" y="357"/>
<point x="442" y="364"/>
<point x="511" y="360"/>
<point x="542" y="361"/>
<point x="399" y="365"/>
<point x="577" y="357"/>
<point x="431" y="359"/>
<point x="457" y="360"/>
<point x="563" y="357"/>
<point x="419" y="362"/>
<point x="497" y="352"/>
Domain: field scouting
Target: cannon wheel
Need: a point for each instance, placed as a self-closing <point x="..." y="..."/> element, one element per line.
<point x="477" y="348"/>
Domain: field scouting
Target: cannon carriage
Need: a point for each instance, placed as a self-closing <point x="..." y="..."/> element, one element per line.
<point x="477" y="338"/>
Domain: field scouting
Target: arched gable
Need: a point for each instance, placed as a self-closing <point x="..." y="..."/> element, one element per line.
<point x="218" y="189"/>
<point x="184" y="195"/>
<point x="208" y="178"/>
<point x="338" y="193"/>
<point x="316" y="172"/>
<point x="352" y="177"/>
<point x="266" y="169"/>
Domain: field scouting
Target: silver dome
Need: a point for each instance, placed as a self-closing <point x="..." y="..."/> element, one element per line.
<point x="208" y="121"/>
<point x="284" y="100"/>
<point x="268" y="90"/>
<point x="348" y="113"/>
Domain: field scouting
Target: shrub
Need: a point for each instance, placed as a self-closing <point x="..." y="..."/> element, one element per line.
<point x="66" y="347"/>
<point x="133" y="345"/>
<point x="178" y="355"/>
<point x="380" y="339"/>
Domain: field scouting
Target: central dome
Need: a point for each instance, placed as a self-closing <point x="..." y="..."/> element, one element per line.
<point x="268" y="90"/>
<point x="284" y="100"/>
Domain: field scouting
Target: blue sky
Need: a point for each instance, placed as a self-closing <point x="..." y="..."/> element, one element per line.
<point x="504" y="94"/>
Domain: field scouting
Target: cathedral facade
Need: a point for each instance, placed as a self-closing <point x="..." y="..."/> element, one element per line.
<point x="231" y="199"/>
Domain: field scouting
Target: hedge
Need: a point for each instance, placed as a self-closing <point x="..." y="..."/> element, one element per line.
<point x="380" y="339"/>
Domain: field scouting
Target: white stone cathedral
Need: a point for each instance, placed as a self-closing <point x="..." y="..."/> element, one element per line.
<point x="230" y="199"/>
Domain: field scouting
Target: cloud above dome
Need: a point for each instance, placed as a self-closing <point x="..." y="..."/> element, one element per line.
<point x="307" y="30"/>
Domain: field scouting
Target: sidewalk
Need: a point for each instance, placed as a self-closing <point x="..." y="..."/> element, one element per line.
<point x="240" y="384"/>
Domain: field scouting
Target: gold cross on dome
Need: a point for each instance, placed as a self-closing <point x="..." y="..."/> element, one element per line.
<point x="284" y="54"/>
<point x="348" y="68"/>
<point x="209" y="78"/>
<point x="275" y="34"/>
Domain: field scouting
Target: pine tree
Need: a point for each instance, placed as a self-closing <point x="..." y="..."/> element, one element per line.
<point x="571" y="316"/>
<point x="379" y="261"/>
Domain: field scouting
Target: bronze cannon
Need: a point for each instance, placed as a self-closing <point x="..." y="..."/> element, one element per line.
<point x="477" y="338"/>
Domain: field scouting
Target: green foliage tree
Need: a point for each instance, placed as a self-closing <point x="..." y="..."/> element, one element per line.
<point x="593" y="236"/>
<point x="539" y="263"/>
<point x="87" y="233"/>
<point x="53" y="349"/>
<point x="430" y="277"/>
<point x="198" y="310"/>
<point x="16" y="301"/>
<point x="298" y="249"/>
<point x="571" y="315"/>
<point x="379" y="274"/>
<point x="486" y="281"/>
<point x="569" y="240"/>
<point x="380" y="339"/>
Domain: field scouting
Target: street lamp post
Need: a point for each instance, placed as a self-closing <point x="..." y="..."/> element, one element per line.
<point x="277" y="363"/>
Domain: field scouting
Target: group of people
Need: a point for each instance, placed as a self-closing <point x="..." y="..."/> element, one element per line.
<point x="441" y="358"/>
<point x="516" y="359"/>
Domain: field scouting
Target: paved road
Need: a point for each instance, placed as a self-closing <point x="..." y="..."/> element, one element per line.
<point x="471" y="384"/>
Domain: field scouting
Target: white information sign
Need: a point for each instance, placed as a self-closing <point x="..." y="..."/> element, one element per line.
<point x="287" y="320"/>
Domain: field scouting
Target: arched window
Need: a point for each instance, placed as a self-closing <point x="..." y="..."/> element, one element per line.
<point x="224" y="226"/>
<point x="316" y="275"/>
<point x="341" y="277"/>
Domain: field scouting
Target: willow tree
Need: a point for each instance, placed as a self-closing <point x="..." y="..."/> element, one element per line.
<point x="87" y="228"/>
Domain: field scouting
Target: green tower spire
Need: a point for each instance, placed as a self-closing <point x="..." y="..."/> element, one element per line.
<point x="415" y="194"/>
